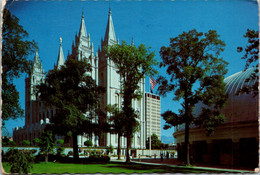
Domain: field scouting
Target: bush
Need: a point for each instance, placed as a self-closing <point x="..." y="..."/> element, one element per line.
<point x="70" y="153"/>
<point x="7" y="142"/>
<point x="60" y="142"/>
<point x="21" y="161"/>
<point x="12" y="143"/>
<point x="36" y="141"/>
<point x="26" y="143"/>
<point x="33" y="151"/>
<point x="60" y="151"/>
<point x="60" y="148"/>
<point x="88" y="143"/>
<point x="109" y="149"/>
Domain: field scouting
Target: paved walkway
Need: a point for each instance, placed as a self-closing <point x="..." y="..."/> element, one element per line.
<point x="176" y="163"/>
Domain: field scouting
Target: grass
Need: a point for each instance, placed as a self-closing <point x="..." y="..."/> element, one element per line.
<point x="62" y="168"/>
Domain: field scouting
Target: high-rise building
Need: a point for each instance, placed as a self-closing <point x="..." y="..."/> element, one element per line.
<point x="153" y="115"/>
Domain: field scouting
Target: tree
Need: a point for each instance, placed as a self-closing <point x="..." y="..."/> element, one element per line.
<point x="21" y="161"/>
<point x="251" y="57"/>
<point x="60" y="147"/>
<point x="118" y="125"/>
<point x="15" y="50"/>
<point x="109" y="149"/>
<point x="132" y="63"/>
<point x="46" y="143"/>
<point x="26" y="143"/>
<point x="76" y="97"/>
<point x="155" y="142"/>
<point x="196" y="74"/>
<point x="88" y="143"/>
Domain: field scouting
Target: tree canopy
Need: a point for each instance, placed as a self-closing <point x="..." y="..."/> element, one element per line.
<point x="252" y="59"/>
<point x="132" y="63"/>
<point x="15" y="53"/>
<point x="46" y="143"/>
<point x="75" y="95"/>
<point x="195" y="74"/>
<point x="155" y="142"/>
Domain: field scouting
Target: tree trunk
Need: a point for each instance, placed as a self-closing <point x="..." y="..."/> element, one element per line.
<point x="46" y="158"/>
<point x="128" y="140"/>
<point x="118" y="147"/>
<point x="187" y="127"/>
<point x="187" y="145"/>
<point x="75" y="147"/>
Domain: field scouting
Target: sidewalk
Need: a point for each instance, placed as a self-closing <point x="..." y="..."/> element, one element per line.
<point x="176" y="163"/>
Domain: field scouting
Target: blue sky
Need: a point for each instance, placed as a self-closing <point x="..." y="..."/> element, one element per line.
<point x="148" y="22"/>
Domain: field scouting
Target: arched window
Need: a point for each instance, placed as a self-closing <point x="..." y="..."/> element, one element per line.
<point x="116" y="99"/>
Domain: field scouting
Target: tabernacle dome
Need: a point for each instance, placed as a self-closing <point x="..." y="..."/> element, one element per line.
<point x="234" y="143"/>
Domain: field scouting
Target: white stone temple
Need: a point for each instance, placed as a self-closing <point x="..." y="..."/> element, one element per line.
<point x="103" y="72"/>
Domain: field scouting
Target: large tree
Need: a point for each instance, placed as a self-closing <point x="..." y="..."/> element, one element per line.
<point x="251" y="56"/>
<point x="75" y="95"/>
<point x="195" y="74"/>
<point x="132" y="63"/>
<point x="15" y="53"/>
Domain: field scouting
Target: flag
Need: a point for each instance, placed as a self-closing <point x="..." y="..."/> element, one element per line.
<point x="153" y="82"/>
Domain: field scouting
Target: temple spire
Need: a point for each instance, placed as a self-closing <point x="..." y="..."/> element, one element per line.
<point x="110" y="32"/>
<point x="61" y="60"/>
<point x="36" y="57"/>
<point x="82" y="29"/>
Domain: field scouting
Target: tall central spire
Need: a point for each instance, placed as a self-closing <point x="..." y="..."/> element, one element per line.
<point x="61" y="60"/>
<point x="82" y="29"/>
<point x="110" y="32"/>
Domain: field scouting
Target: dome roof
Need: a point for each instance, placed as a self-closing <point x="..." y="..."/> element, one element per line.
<point x="238" y="80"/>
<point x="239" y="108"/>
<point x="242" y="107"/>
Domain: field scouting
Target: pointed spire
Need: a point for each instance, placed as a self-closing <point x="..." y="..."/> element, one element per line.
<point x="110" y="32"/>
<point x="82" y="29"/>
<point x="36" y="57"/>
<point x="61" y="59"/>
<point x="92" y="48"/>
<point x="132" y="42"/>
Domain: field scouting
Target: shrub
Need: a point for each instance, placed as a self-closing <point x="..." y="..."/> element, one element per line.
<point x="70" y="153"/>
<point x="88" y="143"/>
<point x="60" y="142"/>
<point x="60" y="151"/>
<point x="109" y="149"/>
<point x="36" y="141"/>
<point x="21" y="161"/>
<point x="60" y="148"/>
<point x="33" y="151"/>
<point x="26" y="143"/>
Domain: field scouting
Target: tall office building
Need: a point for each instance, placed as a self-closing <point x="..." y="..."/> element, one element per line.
<point x="153" y="115"/>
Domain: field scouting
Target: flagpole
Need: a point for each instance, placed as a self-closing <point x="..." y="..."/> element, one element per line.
<point x="150" y="142"/>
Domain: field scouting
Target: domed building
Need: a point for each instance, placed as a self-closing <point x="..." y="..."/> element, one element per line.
<point x="234" y="143"/>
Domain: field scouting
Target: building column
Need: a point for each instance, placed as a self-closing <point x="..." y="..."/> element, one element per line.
<point x="235" y="152"/>
<point x="209" y="158"/>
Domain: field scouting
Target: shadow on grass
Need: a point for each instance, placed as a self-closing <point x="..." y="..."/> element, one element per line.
<point x="157" y="168"/>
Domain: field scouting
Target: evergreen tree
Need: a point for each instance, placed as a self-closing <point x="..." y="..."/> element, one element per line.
<point x="196" y="74"/>
<point x="46" y="143"/>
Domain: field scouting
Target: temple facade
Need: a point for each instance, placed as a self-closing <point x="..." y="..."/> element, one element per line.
<point x="37" y="115"/>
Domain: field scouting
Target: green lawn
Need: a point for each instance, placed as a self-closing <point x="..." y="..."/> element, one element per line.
<point x="62" y="168"/>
